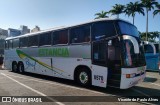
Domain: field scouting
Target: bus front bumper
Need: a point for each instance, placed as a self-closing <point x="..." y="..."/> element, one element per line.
<point x="132" y="76"/>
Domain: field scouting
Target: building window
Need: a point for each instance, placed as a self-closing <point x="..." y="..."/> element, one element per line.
<point x="60" y="37"/>
<point x="45" y="39"/>
<point x="24" y="42"/>
<point x="33" y="40"/>
<point x="80" y="34"/>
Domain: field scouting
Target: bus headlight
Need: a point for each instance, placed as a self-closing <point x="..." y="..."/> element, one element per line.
<point x="130" y="75"/>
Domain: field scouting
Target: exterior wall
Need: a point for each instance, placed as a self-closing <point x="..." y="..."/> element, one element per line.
<point x="13" y="32"/>
<point x="36" y="29"/>
<point x="16" y="32"/>
<point x="24" y="29"/>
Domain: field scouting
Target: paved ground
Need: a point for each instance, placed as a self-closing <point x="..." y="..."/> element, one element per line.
<point x="14" y="84"/>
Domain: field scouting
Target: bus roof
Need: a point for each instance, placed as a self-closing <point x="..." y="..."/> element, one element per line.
<point x="63" y="27"/>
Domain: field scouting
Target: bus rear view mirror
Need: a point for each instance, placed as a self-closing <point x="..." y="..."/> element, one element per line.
<point x="110" y="42"/>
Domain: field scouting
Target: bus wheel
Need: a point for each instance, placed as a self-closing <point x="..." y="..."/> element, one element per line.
<point x="84" y="77"/>
<point x="20" y="67"/>
<point x="14" y="67"/>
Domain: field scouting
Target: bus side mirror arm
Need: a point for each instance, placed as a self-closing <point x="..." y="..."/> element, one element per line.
<point x="134" y="41"/>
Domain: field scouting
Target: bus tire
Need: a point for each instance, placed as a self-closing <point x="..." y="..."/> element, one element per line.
<point x="14" y="67"/>
<point x="83" y="77"/>
<point x="21" y="67"/>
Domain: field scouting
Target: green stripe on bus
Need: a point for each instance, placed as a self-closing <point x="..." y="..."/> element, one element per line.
<point x="22" y="55"/>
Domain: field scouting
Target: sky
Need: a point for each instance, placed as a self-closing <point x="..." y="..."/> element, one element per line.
<point x="54" y="13"/>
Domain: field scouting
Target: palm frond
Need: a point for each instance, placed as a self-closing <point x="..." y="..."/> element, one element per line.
<point x="156" y="12"/>
<point x="101" y="15"/>
<point x="117" y="9"/>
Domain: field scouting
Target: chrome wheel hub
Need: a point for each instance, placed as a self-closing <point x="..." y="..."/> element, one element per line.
<point x="83" y="77"/>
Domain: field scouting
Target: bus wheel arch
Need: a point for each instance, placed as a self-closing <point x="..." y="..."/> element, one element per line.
<point x="21" y="67"/>
<point x="82" y="75"/>
<point x="14" y="66"/>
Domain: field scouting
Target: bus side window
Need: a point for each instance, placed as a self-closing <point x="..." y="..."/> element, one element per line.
<point x="23" y="42"/>
<point x="99" y="54"/>
<point x="15" y="43"/>
<point x="157" y="47"/>
<point x="33" y="40"/>
<point x="6" y="44"/>
<point x="10" y="44"/>
<point x="111" y="51"/>
<point x="60" y="37"/>
<point x="148" y="49"/>
<point x="45" y="39"/>
<point x="80" y="34"/>
<point x="103" y="30"/>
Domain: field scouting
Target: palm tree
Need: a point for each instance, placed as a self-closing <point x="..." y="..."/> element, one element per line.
<point x="101" y="15"/>
<point x="132" y="8"/>
<point x="143" y="35"/>
<point x="148" y="4"/>
<point x="157" y="10"/>
<point x="151" y="36"/>
<point x="154" y="35"/>
<point x="117" y="9"/>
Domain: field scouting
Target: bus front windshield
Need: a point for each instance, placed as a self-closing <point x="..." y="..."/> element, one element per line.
<point x="131" y="59"/>
<point x="128" y="29"/>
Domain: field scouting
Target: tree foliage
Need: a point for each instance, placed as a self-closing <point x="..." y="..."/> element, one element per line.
<point x="133" y="8"/>
<point x="157" y="10"/>
<point x="117" y="9"/>
<point x="152" y="36"/>
<point x="102" y="14"/>
<point x="149" y="5"/>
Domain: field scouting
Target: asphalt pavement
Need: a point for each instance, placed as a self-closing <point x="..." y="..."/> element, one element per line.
<point x="59" y="90"/>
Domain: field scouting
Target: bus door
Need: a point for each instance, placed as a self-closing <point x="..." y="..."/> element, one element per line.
<point x="106" y="60"/>
<point x="99" y="63"/>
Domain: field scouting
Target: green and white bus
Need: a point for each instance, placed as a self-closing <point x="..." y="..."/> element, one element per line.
<point x="102" y="52"/>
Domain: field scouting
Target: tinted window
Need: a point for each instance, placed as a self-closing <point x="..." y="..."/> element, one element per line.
<point x="148" y="49"/>
<point x="99" y="53"/>
<point x="103" y="30"/>
<point x="10" y="44"/>
<point x="131" y="59"/>
<point x="80" y="34"/>
<point x="15" y="43"/>
<point x="24" y="42"/>
<point x="45" y="39"/>
<point x="128" y="29"/>
<point x="157" y="48"/>
<point x="33" y="40"/>
<point x="129" y="53"/>
<point x="60" y="37"/>
<point x="1" y="52"/>
<point x="6" y="44"/>
<point x="2" y="43"/>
